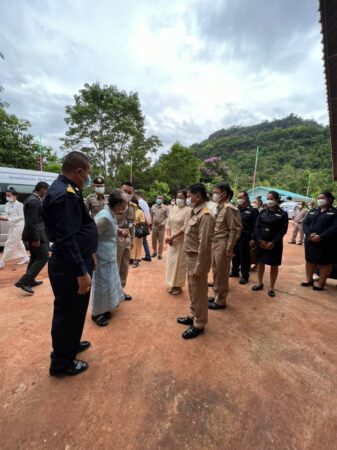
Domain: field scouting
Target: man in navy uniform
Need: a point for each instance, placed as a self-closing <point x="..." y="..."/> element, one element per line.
<point x="241" y="259"/>
<point x="74" y="236"/>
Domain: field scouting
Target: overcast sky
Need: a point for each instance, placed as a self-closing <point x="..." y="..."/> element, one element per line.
<point x="198" y="65"/>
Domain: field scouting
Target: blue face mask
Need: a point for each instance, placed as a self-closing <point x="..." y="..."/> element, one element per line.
<point x="88" y="181"/>
<point x="159" y="201"/>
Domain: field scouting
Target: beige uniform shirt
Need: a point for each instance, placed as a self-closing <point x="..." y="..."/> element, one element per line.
<point x="95" y="203"/>
<point x="126" y="221"/>
<point x="159" y="215"/>
<point x="228" y="227"/>
<point x="199" y="229"/>
<point x="300" y="215"/>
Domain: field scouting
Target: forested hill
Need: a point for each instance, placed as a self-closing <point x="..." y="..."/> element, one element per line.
<point x="290" y="149"/>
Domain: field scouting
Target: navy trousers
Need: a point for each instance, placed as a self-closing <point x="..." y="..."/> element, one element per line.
<point x="70" y="309"/>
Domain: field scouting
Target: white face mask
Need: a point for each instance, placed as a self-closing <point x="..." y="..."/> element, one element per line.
<point x="322" y="201"/>
<point x="9" y="199"/>
<point x="180" y="202"/>
<point x="300" y="206"/>
<point x="254" y="205"/>
<point x="215" y="198"/>
<point x="188" y="202"/>
<point x="99" y="190"/>
<point x="241" y="201"/>
<point x="271" y="203"/>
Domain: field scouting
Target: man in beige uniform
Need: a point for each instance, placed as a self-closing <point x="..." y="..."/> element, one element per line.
<point x="300" y="215"/>
<point x="126" y="234"/>
<point x="227" y="232"/>
<point x="198" y="229"/>
<point x="159" y="215"/>
<point x="97" y="201"/>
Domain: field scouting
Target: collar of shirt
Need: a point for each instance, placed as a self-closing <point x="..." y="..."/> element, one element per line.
<point x="66" y="180"/>
<point x="197" y="209"/>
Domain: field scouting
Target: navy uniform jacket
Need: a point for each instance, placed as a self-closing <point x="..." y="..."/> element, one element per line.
<point x="69" y="226"/>
<point x="271" y="225"/>
<point x="248" y="218"/>
<point x="322" y="223"/>
<point x="34" y="229"/>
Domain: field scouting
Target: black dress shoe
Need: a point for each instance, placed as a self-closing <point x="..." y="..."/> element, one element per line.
<point x="25" y="288"/>
<point x="192" y="332"/>
<point x="107" y="315"/>
<point x="146" y="259"/>
<point x="243" y="281"/>
<point x="153" y="255"/>
<point x="185" y="321"/>
<point x="213" y="305"/>
<point x="160" y="257"/>
<point x="75" y="368"/>
<point x="36" y="283"/>
<point x="100" y="320"/>
<point x="271" y="293"/>
<point x="84" y="345"/>
<point x="234" y="275"/>
<point x="127" y="297"/>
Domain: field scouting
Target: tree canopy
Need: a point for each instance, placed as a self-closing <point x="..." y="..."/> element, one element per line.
<point x="108" y="125"/>
<point x="290" y="149"/>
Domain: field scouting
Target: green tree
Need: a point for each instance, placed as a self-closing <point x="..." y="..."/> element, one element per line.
<point x="18" y="147"/>
<point x="108" y="125"/>
<point x="178" y="168"/>
<point x="158" y="188"/>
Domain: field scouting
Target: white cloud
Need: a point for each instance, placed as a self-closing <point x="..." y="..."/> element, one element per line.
<point x="197" y="66"/>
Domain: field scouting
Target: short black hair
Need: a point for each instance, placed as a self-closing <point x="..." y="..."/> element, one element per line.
<point x="184" y="192"/>
<point x="329" y="196"/>
<point x="276" y="196"/>
<point x="224" y="187"/>
<point x="13" y="191"/>
<point x="245" y="194"/>
<point x="41" y="185"/>
<point x="75" y="160"/>
<point x="116" y="196"/>
<point x="198" y="188"/>
<point x="127" y="183"/>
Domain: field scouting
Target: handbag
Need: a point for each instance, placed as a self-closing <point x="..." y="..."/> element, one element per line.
<point x="141" y="230"/>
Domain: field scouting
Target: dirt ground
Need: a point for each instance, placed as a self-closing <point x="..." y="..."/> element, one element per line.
<point x="263" y="376"/>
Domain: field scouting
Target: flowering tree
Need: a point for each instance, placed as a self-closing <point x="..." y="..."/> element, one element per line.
<point x="213" y="170"/>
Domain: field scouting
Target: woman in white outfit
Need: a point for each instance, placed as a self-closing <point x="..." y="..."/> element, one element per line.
<point x="176" y="262"/>
<point x="14" y="247"/>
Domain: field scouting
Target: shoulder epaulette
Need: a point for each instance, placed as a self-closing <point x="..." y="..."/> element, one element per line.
<point x="70" y="189"/>
<point x="205" y="211"/>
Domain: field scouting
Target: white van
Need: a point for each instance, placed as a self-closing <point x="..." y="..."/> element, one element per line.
<point x="23" y="181"/>
<point x="290" y="208"/>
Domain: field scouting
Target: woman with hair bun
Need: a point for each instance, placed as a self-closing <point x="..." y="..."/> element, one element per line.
<point x="271" y="226"/>
<point x="107" y="292"/>
<point x="320" y="228"/>
<point x="14" y="247"/>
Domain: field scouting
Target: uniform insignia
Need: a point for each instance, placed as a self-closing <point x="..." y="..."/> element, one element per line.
<point x="205" y="211"/>
<point x="71" y="189"/>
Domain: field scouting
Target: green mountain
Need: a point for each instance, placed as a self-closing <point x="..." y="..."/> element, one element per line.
<point x="290" y="150"/>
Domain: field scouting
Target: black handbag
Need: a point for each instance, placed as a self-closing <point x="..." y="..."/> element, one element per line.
<point x="141" y="230"/>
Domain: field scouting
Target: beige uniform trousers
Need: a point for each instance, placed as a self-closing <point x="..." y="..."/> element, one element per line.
<point x="123" y="258"/>
<point x="158" y="235"/>
<point x="221" y="267"/>
<point x="298" y="228"/>
<point x="198" y="290"/>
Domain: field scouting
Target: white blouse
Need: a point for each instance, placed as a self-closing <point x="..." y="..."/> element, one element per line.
<point x="14" y="212"/>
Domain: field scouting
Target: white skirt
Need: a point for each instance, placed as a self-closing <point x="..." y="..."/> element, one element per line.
<point x="14" y="247"/>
